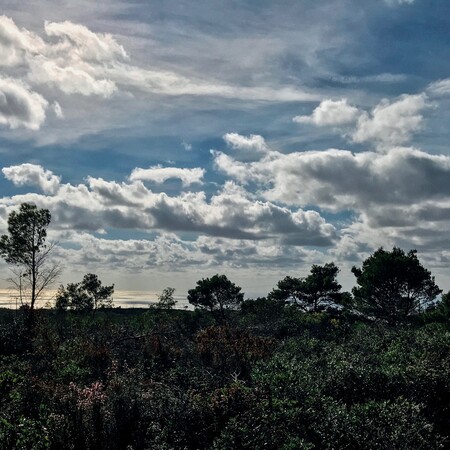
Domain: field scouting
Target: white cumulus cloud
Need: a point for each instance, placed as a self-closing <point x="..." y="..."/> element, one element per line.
<point x="231" y="212"/>
<point x="397" y="197"/>
<point x="339" y="179"/>
<point x="392" y="122"/>
<point x="74" y="79"/>
<point x="441" y="87"/>
<point x="20" y="106"/>
<point x="84" y="44"/>
<point x="16" y="44"/>
<point x="253" y="142"/>
<point x="331" y="112"/>
<point x="159" y="174"/>
<point x="33" y="174"/>
<point x="389" y="122"/>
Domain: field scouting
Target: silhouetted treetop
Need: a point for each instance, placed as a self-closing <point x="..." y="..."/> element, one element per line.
<point x="393" y="285"/>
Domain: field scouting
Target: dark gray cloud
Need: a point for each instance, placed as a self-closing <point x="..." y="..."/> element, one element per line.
<point x="20" y="106"/>
<point x="339" y="179"/>
<point x="232" y="212"/>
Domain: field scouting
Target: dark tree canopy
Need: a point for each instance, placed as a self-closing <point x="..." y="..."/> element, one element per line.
<point x="289" y="289"/>
<point x="393" y="285"/>
<point x="166" y="299"/>
<point x="25" y="248"/>
<point x="312" y="291"/>
<point x="88" y="295"/>
<point x="440" y="311"/>
<point x="215" y="293"/>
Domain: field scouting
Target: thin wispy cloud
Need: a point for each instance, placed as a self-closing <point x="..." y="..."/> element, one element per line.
<point x="74" y="60"/>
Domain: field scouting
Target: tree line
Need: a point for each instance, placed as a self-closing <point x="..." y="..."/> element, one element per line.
<point x="391" y="285"/>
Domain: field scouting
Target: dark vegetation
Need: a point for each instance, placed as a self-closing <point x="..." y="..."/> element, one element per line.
<point x="308" y="367"/>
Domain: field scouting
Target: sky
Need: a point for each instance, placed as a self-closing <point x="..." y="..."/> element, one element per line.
<point x="173" y="140"/>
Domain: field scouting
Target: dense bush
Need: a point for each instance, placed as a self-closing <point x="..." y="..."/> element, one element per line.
<point x="268" y="377"/>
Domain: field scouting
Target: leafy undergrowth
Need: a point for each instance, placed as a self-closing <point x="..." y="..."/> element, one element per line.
<point x="268" y="377"/>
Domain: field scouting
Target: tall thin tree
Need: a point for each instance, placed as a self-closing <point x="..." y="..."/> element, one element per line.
<point x="25" y="248"/>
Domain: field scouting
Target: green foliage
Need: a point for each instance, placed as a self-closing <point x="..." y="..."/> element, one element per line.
<point x="440" y="311"/>
<point x="230" y="350"/>
<point x="20" y="426"/>
<point x="166" y="300"/>
<point x="27" y="230"/>
<point x="398" y="424"/>
<point x="24" y="434"/>
<point x="312" y="291"/>
<point x="14" y="334"/>
<point x="266" y="314"/>
<point x="394" y="285"/>
<point x="289" y="289"/>
<point x="254" y="419"/>
<point x="26" y="250"/>
<point x="175" y="379"/>
<point x="216" y="293"/>
<point x="88" y="295"/>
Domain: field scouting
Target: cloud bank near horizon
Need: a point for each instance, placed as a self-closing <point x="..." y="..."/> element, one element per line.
<point x="272" y="211"/>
